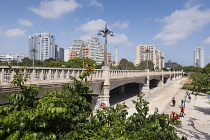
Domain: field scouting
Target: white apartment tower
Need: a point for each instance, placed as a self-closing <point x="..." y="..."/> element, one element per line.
<point x="92" y="49"/>
<point x="96" y="52"/>
<point x="199" y="57"/>
<point x="150" y="52"/>
<point x="76" y="50"/>
<point x="42" y="46"/>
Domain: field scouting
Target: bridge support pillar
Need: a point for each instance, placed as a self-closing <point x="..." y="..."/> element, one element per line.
<point x="160" y="84"/>
<point x="2" y="75"/>
<point x="94" y="101"/>
<point x="104" y="96"/>
<point x="146" y="89"/>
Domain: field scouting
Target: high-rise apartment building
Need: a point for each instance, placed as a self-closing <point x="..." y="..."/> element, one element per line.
<point x="92" y="49"/>
<point x="67" y="54"/>
<point x="59" y="53"/>
<point x="150" y="52"/>
<point x="96" y="52"/>
<point x="199" y="57"/>
<point x="42" y="46"/>
<point x="76" y="48"/>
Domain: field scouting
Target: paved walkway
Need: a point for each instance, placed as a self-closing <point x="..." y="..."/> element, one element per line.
<point x="195" y="123"/>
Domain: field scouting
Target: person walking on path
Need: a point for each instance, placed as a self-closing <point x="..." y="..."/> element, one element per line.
<point x="173" y="101"/>
<point x="182" y="112"/>
<point x="189" y="98"/>
<point x="196" y="95"/>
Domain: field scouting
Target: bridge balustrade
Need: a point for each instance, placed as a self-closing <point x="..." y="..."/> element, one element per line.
<point x="37" y="74"/>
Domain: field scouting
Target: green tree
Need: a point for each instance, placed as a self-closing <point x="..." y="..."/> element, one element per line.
<point x="4" y="63"/>
<point x="79" y="63"/>
<point x="62" y="115"/>
<point x="126" y="65"/>
<point x="143" y="65"/>
<point x="206" y="69"/>
<point x="200" y="82"/>
<point x="26" y="62"/>
<point x="177" y="68"/>
<point x="192" y="69"/>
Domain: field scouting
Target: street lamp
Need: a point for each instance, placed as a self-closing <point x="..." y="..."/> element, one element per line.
<point x="161" y="62"/>
<point x="147" y="51"/>
<point x="105" y="32"/>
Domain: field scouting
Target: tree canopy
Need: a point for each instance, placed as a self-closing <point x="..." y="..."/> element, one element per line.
<point x="79" y="63"/>
<point x="63" y="115"/>
<point x="143" y="65"/>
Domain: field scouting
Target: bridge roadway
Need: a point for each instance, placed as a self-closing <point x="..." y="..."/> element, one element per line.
<point x="102" y="81"/>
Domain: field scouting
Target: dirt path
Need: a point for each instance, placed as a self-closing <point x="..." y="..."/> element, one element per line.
<point x="196" y="121"/>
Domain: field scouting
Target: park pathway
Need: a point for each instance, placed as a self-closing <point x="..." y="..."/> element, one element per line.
<point x="196" y="122"/>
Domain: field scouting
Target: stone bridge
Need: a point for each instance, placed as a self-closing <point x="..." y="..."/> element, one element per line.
<point x="102" y="81"/>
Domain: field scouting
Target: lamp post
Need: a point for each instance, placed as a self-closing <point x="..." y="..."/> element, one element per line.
<point x="161" y="62"/>
<point x="34" y="51"/>
<point x="105" y="32"/>
<point x="147" y="51"/>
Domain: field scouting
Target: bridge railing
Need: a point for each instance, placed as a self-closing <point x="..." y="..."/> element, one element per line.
<point x="37" y="74"/>
<point x="126" y="73"/>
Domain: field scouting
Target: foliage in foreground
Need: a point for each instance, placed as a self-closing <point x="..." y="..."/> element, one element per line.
<point x="62" y="115"/>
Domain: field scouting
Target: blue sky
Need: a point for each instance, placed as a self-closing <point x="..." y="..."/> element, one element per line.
<point x="174" y="26"/>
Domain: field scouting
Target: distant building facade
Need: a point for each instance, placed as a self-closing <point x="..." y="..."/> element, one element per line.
<point x="96" y="52"/>
<point x="170" y="64"/>
<point x="92" y="49"/>
<point x="199" y="57"/>
<point x="150" y="52"/>
<point x="10" y="57"/>
<point x="42" y="46"/>
<point x="59" y="53"/>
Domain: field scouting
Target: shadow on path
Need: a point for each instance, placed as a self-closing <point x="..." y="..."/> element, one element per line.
<point x="193" y="134"/>
<point x="204" y="110"/>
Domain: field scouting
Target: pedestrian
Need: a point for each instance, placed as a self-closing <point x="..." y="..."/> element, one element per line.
<point x="182" y="112"/>
<point x="196" y="95"/>
<point x="173" y="101"/>
<point x="189" y="98"/>
<point x="182" y="101"/>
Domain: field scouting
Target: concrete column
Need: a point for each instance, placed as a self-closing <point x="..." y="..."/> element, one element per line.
<point x="94" y="101"/>
<point x="49" y="75"/>
<point x="41" y="75"/>
<point x="140" y="87"/>
<point x="2" y="75"/>
<point x="62" y="75"/>
<point x="33" y="75"/>
<point x="104" y="96"/>
<point x="161" y="84"/>
<point x="146" y="89"/>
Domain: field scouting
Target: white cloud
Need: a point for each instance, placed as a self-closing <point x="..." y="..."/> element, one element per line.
<point x="25" y="22"/>
<point x="120" y="39"/>
<point x="96" y="3"/>
<point x="207" y="41"/>
<point x="191" y="3"/>
<point x="182" y="23"/>
<point x="14" y="32"/>
<point x="92" y="28"/>
<point x="121" y="25"/>
<point x="55" y="8"/>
